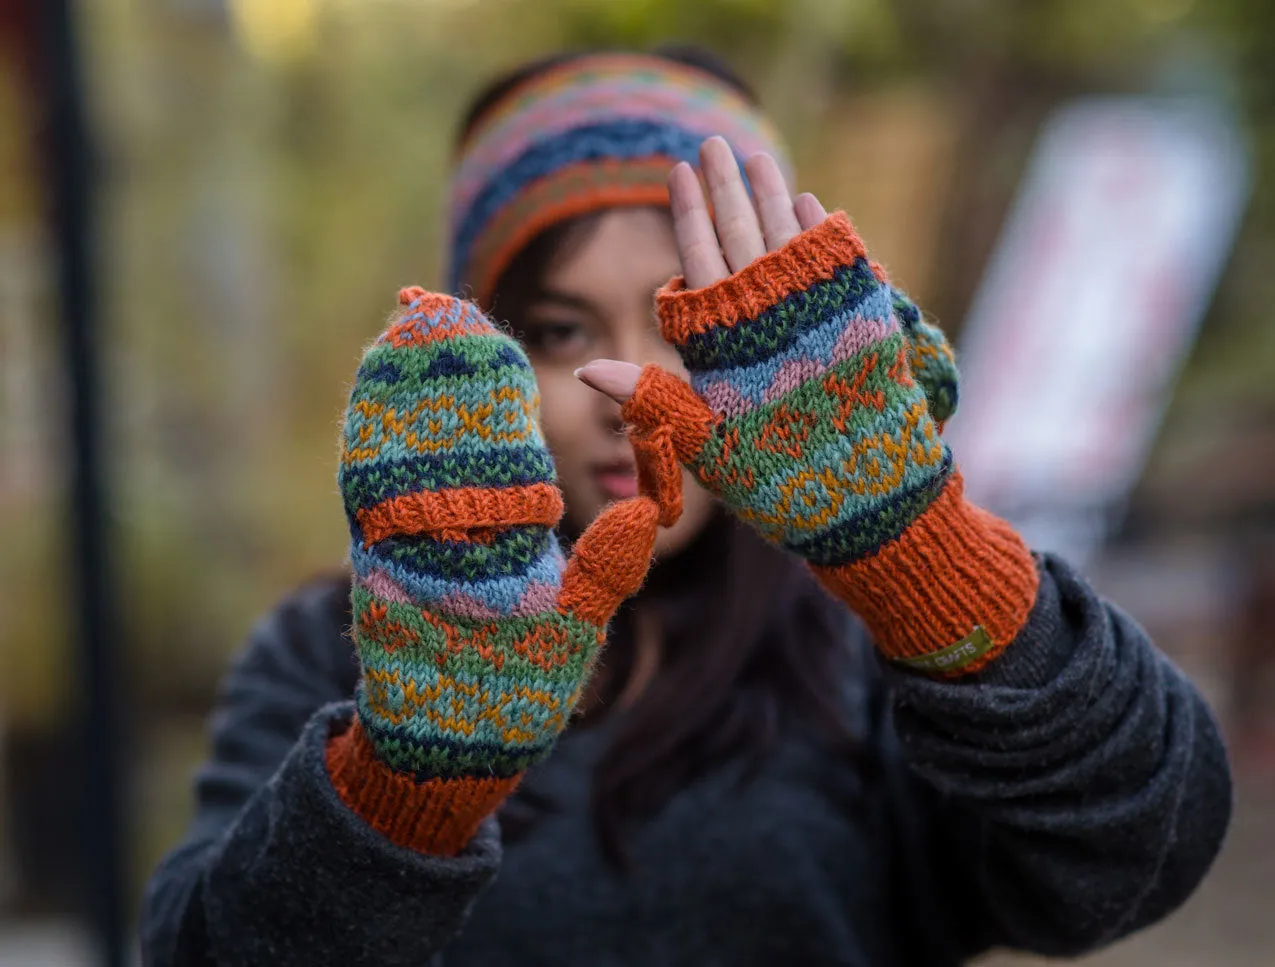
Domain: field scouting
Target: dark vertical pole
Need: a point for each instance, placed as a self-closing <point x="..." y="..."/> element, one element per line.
<point x="70" y="172"/>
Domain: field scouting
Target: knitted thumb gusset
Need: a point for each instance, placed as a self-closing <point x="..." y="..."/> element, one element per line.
<point x="930" y="356"/>
<point x="474" y="633"/>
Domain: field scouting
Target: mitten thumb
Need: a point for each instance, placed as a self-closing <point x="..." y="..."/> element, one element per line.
<point x="610" y="560"/>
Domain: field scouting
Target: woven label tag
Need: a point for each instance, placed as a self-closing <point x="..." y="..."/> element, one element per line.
<point x="973" y="646"/>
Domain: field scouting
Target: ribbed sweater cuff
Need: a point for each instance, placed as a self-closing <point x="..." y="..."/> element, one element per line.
<point x="435" y="816"/>
<point x="949" y="594"/>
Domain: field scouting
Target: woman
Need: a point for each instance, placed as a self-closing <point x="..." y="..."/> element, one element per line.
<point x="743" y="781"/>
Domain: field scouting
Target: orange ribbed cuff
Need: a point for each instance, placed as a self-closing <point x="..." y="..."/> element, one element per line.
<point x="438" y="816"/>
<point x="813" y="256"/>
<point x="949" y="594"/>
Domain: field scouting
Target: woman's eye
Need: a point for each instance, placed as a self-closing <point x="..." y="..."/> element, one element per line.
<point x="554" y="338"/>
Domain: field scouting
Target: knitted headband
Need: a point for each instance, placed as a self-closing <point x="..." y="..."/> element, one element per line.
<point x="599" y="131"/>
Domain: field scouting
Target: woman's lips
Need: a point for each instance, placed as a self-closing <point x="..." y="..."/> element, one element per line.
<point x="617" y="481"/>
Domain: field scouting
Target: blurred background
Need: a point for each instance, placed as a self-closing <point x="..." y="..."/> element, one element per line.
<point x="262" y="176"/>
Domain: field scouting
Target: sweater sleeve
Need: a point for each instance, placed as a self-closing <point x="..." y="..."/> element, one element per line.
<point x="1075" y="790"/>
<point x="275" y="868"/>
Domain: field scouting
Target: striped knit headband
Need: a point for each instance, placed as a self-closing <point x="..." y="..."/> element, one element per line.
<point x="600" y="131"/>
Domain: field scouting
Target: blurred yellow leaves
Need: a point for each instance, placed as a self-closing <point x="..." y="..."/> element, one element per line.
<point x="1165" y="11"/>
<point x="276" y="31"/>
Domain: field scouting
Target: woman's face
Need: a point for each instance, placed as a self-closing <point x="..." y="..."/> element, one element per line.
<point x="597" y="302"/>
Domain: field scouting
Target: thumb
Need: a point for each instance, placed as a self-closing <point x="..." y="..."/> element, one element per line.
<point x="611" y="377"/>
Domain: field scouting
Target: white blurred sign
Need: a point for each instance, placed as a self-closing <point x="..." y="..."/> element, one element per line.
<point x="1092" y="299"/>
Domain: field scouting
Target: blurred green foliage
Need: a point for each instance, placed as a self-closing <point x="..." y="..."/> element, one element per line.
<point x="275" y="169"/>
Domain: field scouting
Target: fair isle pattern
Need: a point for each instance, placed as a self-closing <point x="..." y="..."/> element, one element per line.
<point x="821" y="438"/>
<point x="446" y="695"/>
<point x="470" y="665"/>
<point x="609" y="111"/>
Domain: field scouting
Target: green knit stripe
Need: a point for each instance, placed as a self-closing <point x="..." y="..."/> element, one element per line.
<point x="779" y="326"/>
<point x="508" y="552"/>
<point x="545" y="648"/>
<point x="386" y="369"/>
<point x="429" y="757"/>
<point x="751" y="449"/>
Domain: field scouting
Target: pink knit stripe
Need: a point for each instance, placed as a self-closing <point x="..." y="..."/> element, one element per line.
<point x="725" y="400"/>
<point x="791" y="374"/>
<point x="619" y="100"/>
<point x="385" y="587"/>
<point x="859" y="334"/>
<point x="537" y="599"/>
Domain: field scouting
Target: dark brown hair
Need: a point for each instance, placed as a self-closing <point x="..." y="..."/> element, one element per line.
<point x="751" y="644"/>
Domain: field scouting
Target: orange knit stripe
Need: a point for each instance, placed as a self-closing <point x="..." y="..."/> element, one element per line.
<point x="407" y="331"/>
<point x="955" y="569"/>
<point x="538" y="209"/>
<point x="437" y="816"/>
<point x="546" y="645"/>
<point x="813" y="256"/>
<point x="429" y="301"/>
<point x="462" y="508"/>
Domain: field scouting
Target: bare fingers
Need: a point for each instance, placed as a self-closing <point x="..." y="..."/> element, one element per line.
<point x="741" y="228"/>
<point x="774" y="205"/>
<point x="736" y="219"/>
<point x="809" y="211"/>
<point x="697" y="247"/>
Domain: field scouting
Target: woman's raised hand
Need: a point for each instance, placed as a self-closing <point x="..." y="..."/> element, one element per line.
<point x="740" y="229"/>
<point x="711" y="247"/>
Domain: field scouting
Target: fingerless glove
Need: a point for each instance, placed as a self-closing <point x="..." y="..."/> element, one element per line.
<point x="805" y="415"/>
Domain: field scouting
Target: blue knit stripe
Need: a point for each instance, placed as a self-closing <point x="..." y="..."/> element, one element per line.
<point x="425" y="589"/>
<point x="470" y="758"/>
<point x="852" y="289"/>
<point x="464" y="357"/>
<point x="815" y="344"/>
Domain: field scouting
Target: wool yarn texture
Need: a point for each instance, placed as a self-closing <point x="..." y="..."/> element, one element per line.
<point x="811" y="412"/>
<point x="474" y="632"/>
<point x="598" y="131"/>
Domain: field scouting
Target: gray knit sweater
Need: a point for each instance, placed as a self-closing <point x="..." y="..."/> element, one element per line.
<point x="1074" y="792"/>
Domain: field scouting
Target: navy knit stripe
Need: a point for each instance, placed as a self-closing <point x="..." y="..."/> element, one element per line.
<point x="782" y="324"/>
<point x="509" y="554"/>
<point x="865" y="533"/>
<point x="366" y="485"/>
<point x="462" y="757"/>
